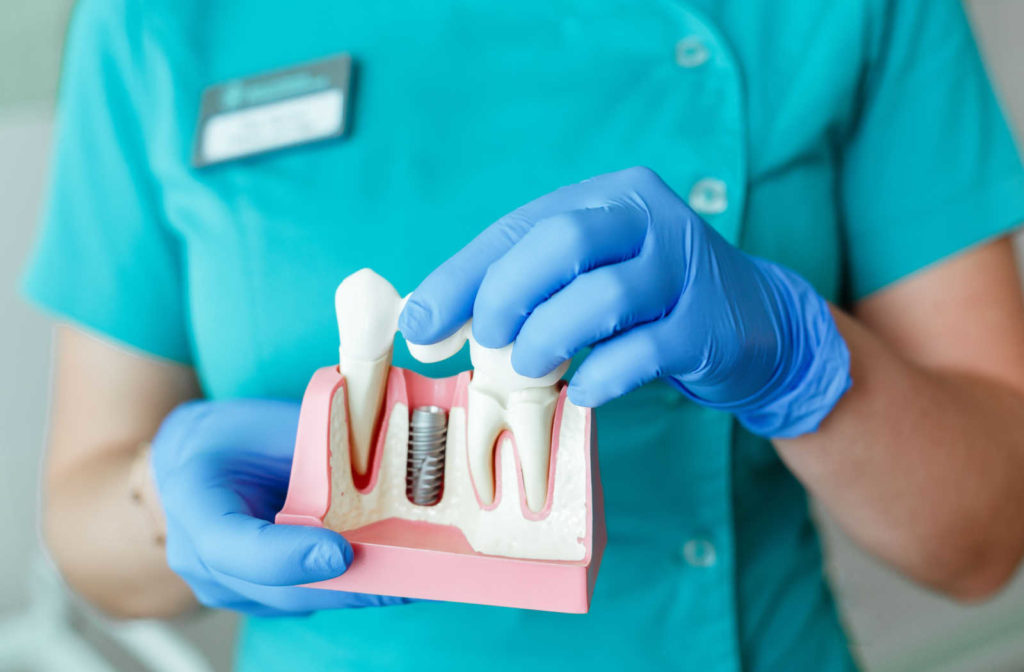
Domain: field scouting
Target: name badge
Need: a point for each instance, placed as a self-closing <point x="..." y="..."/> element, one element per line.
<point x="271" y="111"/>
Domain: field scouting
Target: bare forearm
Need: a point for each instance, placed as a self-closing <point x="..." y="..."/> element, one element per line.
<point x="922" y="466"/>
<point x="105" y="542"/>
<point x="106" y="400"/>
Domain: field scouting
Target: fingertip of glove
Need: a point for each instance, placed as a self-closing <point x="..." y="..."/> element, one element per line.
<point x="489" y="333"/>
<point x="415" y="322"/>
<point x="327" y="561"/>
<point x="580" y="397"/>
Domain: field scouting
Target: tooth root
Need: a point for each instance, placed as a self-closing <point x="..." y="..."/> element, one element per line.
<point x="366" y="382"/>
<point x="485" y="420"/>
<point x="530" y="415"/>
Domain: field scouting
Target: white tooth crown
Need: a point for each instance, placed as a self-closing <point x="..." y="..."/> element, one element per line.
<point x="498" y="402"/>
<point x="367" y="308"/>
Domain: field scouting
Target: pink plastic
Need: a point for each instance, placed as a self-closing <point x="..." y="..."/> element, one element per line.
<point x="426" y="560"/>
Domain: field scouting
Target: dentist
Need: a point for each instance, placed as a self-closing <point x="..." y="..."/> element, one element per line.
<point x="806" y="286"/>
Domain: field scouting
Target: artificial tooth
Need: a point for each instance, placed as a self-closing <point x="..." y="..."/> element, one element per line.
<point x="367" y="308"/>
<point x="500" y="398"/>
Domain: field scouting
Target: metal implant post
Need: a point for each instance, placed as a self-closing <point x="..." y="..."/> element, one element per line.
<point x="424" y="476"/>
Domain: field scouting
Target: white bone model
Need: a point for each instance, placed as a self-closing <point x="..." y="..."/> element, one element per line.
<point x="498" y="398"/>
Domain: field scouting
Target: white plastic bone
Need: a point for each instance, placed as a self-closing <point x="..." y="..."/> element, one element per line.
<point x="498" y="398"/>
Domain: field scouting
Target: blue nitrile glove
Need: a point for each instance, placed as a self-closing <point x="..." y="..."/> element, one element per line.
<point x="621" y="263"/>
<point x="222" y="469"/>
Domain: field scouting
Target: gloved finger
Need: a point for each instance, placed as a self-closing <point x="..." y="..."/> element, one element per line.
<point x="299" y="599"/>
<point x="618" y="365"/>
<point x="220" y="596"/>
<point x="554" y="252"/>
<point x="182" y="557"/>
<point x="251" y="608"/>
<point x="208" y="589"/>
<point x="231" y="542"/>
<point x="216" y="596"/>
<point x="220" y="591"/>
<point x="444" y="300"/>
<point x="592" y="308"/>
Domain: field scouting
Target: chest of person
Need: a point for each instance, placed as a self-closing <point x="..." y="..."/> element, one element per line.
<point x="455" y="114"/>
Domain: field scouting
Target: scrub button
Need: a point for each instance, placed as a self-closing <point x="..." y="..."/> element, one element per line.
<point x="699" y="552"/>
<point x="691" y="52"/>
<point x="709" y="196"/>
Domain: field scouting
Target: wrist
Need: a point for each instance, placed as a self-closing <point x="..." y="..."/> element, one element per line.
<point x="819" y="377"/>
<point x="812" y="371"/>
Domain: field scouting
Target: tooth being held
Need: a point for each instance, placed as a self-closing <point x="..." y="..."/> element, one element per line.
<point x="500" y="398"/>
<point x="367" y="308"/>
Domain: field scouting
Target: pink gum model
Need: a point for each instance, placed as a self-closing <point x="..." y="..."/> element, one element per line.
<point x="427" y="560"/>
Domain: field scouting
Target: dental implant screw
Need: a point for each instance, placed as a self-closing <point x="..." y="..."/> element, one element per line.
<point x="424" y="476"/>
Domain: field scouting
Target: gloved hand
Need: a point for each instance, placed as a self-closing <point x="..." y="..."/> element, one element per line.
<point x="222" y="469"/>
<point x="621" y="263"/>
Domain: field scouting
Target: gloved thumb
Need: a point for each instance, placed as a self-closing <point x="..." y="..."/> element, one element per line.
<point x="260" y="552"/>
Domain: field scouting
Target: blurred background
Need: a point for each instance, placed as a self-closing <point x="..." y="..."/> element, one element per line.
<point x="895" y="626"/>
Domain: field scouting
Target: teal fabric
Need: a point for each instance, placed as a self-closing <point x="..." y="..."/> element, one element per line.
<point x="854" y="142"/>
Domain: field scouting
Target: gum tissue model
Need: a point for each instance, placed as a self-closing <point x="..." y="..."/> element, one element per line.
<point x="482" y="487"/>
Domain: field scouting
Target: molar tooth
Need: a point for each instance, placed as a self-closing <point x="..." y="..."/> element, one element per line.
<point x="501" y="398"/>
<point x="367" y="310"/>
<point x="485" y="420"/>
<point x="530" y="414"/>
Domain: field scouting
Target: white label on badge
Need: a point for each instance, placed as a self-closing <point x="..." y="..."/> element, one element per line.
<point x="230" y="135"/>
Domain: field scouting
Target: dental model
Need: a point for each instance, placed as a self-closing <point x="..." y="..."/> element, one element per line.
<point x="519" y="519"/>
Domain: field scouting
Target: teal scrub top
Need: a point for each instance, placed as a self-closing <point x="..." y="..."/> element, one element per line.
<point x="855" y="142"/>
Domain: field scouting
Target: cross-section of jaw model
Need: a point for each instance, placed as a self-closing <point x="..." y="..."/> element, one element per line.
<point x="508" y="488"/>
<point x="498" y="398"/>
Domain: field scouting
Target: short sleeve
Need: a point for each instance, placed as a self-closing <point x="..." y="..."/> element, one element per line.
<point x="930" y="167"/>
<point x="105" y="258"/>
